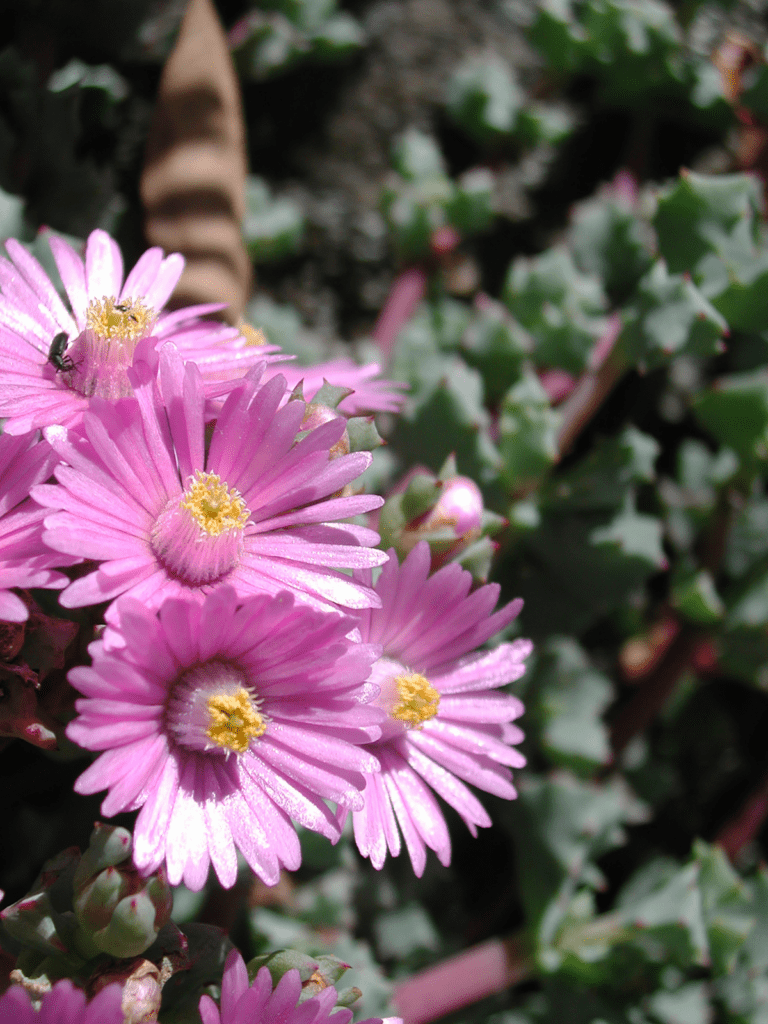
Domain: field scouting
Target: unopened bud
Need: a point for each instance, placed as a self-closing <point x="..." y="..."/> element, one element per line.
<point x="327" y="972"/>
<point x="132" y="928"/>
<point x="447" y="512"/>
<point x="31" y="921"/>
<point x="316" y="415"/>
<point x="460" y="506"/>
<point x="109" y="845"/>
<point x="282" y="961"/>
<point x="119" y="912"/>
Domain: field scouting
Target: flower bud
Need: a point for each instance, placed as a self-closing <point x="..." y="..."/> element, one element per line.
<point x="31" y="921"/>
<point x="109" y="845"/>
<point x="447" y="512"/>
<point x="459" y="506"/>
<point x="316" y="973"/>
<point x="119" y="912"/>
<point x="316" y="415"/>
<point x="282" y="961"/>
<point x="325" y="975"/>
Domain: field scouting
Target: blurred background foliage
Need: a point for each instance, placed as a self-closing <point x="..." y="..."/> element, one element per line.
<point x="559" y="206"/>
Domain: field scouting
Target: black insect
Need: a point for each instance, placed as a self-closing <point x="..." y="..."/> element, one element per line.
<point x="123" y="308"/>
<point x="56" y="355"/>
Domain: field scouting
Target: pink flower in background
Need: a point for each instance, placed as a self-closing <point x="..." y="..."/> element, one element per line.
<point x="64" y="1004"/>
<point x="53" y="359"/>
<point x="444" y="728"/>
<point x="24" y="560"/>
<point x="166" y="517"/>
<point x="244" y="1003"/>
<point x="369" y="394"/>
<point x="223" y="721"/>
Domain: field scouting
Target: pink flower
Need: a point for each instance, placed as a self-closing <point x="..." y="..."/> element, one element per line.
<point x="242" y="1003"/>
<point x="223" y="721"/>
<point x="64" y="1003"/>
<point x="24" y="559"/>
<point x="444" y="728"/>
<point x="52" y="360"/>
<point x="369" y="394"/>
<point x="166" y="517"/>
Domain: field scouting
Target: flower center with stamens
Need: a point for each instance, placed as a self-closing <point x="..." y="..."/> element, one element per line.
<point x="103" y="352"/>
<point x="126" y="321"/>
<point x="233" y="721"/>
<point x="419" y="700"/>
<point x="200" y="538"/>
<point x="253" y="335"/>
<point x="408" y="698"/>
<point x="214" y="506"/>
<point x="211" y="707"/>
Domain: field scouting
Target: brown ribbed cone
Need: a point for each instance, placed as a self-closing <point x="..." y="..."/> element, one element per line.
<point x="193" y="182"/>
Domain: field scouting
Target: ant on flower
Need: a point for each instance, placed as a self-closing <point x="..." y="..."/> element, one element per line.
<point x="123" y="307"/>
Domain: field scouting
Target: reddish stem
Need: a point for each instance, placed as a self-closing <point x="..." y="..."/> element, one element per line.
<point x="743" y="828"/>
<point x="463" y="979"/>
<point x="590" y="392"/>
<point x="409" y="289"/>
<point x="648" y="700"/>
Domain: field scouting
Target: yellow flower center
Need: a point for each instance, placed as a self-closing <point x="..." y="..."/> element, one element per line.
<point x="253" y="335"/>
<point x="213" y="505"/>
<point x="119" y="321"/>
<point x="234" y="721"/>
<point x="419" y="700"/>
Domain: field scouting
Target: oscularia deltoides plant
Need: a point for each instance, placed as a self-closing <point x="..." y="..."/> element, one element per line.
<point x="255" y="662"/>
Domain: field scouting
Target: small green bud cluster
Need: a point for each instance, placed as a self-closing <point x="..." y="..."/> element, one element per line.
<point x="83" y="906"/>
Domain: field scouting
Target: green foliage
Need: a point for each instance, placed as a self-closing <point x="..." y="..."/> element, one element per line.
<point x="610" y="240"/>
<point x="566" y="699"/>
<point x="445" y="412"/>
<point x="561" y="307"/>
<point x="563" y="825"/>
<point x="420" y="197"/>
<point x="711" y="227"/>
<point x="735" y="412"/>
<point x="755" y="96"/>
<point x="272" y="228"/>
<point x="697" y="599"/>
<point x="669" y="317"/>
<point x="592" y="547"/>
<point x="527" y="433"/>
<point x="666" y="916"/>
<point x="281" y="33"/>
<point x="484" y="97"/>
<point x="497" y="346"/>
<point x="635" y="49"/>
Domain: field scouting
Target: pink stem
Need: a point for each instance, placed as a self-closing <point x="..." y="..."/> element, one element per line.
<point x="591" y="390"/>
<point x="461" y="980"/>
<point x="406" y="293"/>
